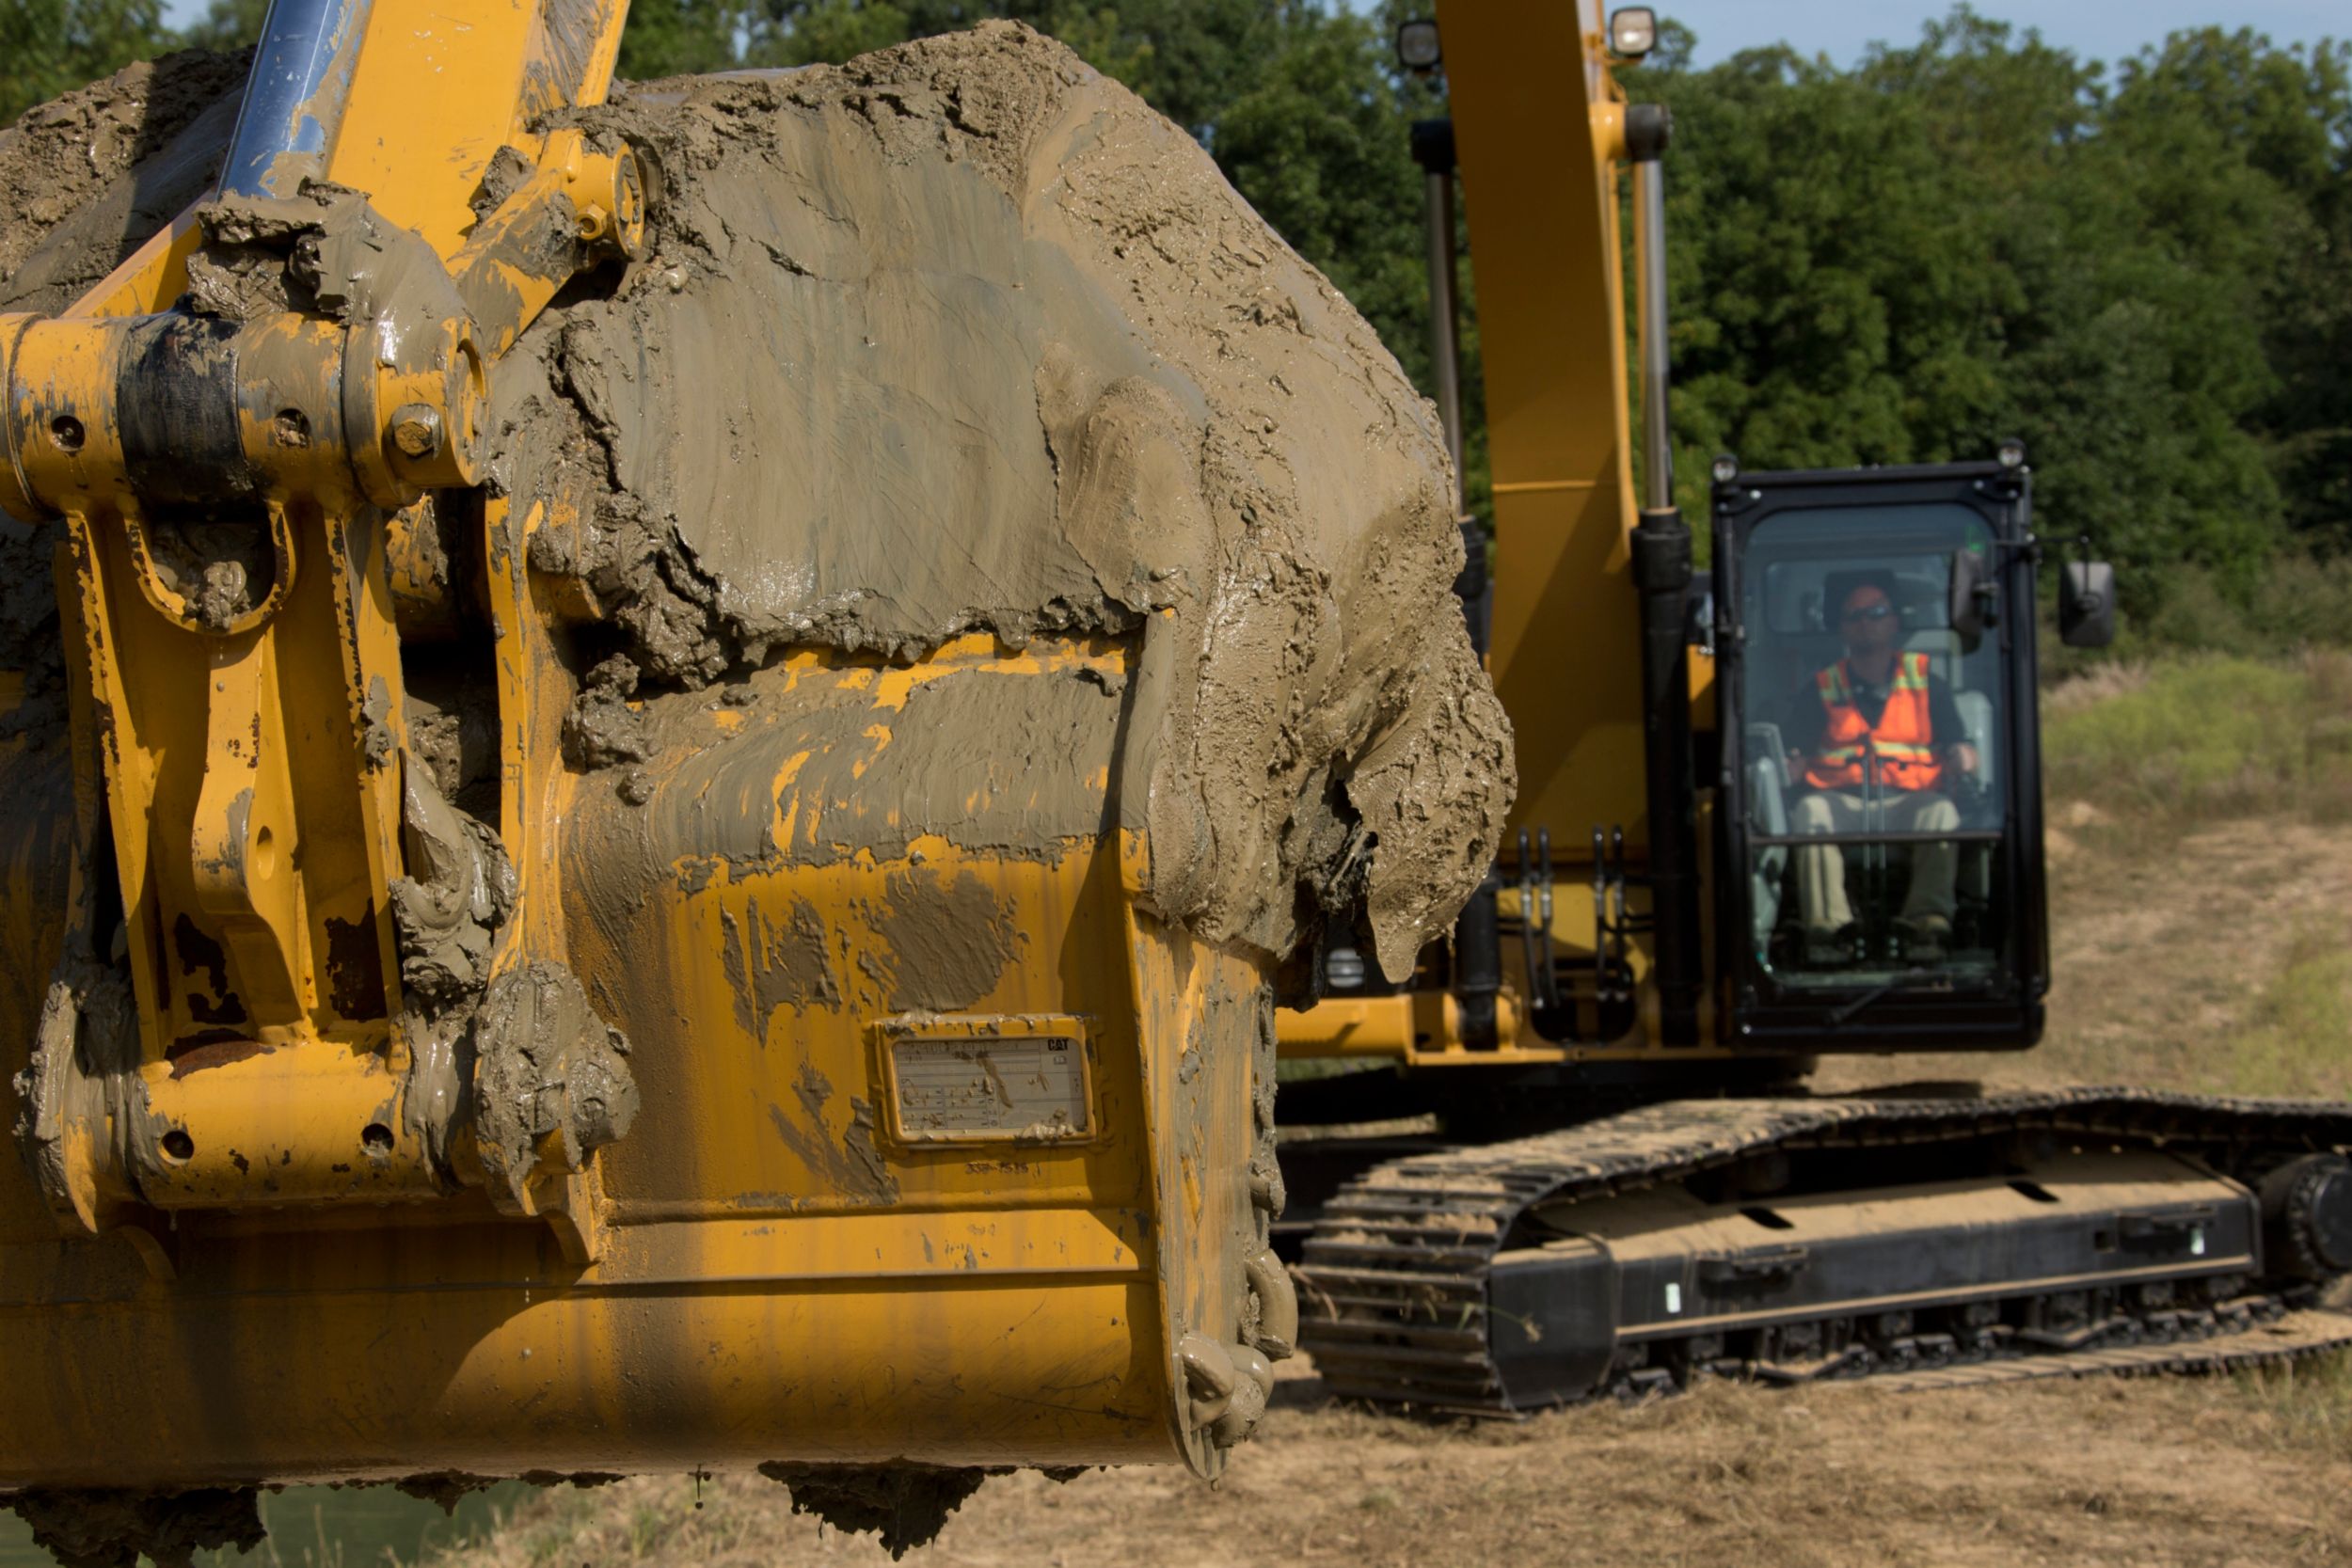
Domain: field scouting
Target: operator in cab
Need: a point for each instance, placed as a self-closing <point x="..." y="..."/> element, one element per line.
<point x="1878" y="744"/>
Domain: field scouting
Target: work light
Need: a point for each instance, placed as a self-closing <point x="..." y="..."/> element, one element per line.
<point x="1417" y="48"/>
<point x="1632" y="32"/>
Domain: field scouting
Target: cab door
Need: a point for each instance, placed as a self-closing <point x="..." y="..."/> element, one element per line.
<point x="1880" y="831"/>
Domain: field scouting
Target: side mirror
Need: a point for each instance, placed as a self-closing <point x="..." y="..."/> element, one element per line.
<point x="2086" y="604"/>
<point x="1969" y="593"/>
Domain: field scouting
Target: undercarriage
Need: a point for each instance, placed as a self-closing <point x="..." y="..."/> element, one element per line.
<point x="1944" y="1239"/>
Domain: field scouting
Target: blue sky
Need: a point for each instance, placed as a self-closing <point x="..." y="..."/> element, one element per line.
<point x="2098" y="29"/>
<point x="2095" y="29"/>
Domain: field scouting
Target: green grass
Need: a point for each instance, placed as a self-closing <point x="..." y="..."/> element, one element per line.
<point x="2295" y="1041"/>
<point x="2180" y="782"/>
<point x="2304" y="1405"/>
<point x="2201" y="738"/>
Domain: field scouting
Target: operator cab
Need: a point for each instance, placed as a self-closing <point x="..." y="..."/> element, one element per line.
<point x="1880" y="825"/>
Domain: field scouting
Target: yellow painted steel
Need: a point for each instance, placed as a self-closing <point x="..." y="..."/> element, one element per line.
<point x="1538" y="129"/>
<point x="768" y="1256"/>
<point x="269" y="1247"/>
<point x="1417" y="1028"/>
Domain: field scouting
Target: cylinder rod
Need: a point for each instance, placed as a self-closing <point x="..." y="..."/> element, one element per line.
<point x="1477" y="935"/>
<point x="1433" y="148"/>
<point x="295" y="95"/>
<point x="1445" y="326"/>
<point x="1649" y="249"/>
<point x="1661" y="574"/>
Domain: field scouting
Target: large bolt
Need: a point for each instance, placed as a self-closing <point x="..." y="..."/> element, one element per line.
<point x="417" y="431"/>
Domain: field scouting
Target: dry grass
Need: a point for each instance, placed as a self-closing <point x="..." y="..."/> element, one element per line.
<point x="2211" y="1473"/>
<point x="2305" y="1407"/>
<point x="2097" y="684"/>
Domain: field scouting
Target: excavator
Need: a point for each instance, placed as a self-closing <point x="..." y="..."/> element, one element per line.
<point x="445" y="1042"/>
<point x="1630" y="1186"/>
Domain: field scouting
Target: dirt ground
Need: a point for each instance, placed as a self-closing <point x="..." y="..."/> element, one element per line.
<point x="2173" y="957"/>
<point x="2175" y="952"/>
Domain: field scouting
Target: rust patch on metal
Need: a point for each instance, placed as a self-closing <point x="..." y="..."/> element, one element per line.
<point x="355" y="966"/>
<point x="212" y="1052"/>
<point x="200" y="953"/>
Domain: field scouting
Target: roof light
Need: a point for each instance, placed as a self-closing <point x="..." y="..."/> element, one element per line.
<point x="1417" y="48"/>
<point x="1727" y="468"/>
<point x="1632" y="32"/>
<point x="2011" y="452"/>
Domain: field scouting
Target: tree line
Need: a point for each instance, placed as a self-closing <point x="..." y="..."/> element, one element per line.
<point x="2143" y="269"/>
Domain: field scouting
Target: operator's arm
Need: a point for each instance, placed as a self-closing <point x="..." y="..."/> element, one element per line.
<point x="1801" y="722"/>
<point x="1950" y="731"/>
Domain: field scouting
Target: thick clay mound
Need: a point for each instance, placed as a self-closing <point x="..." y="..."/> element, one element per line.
<point x="85" y="177"/>
<point x="958" y="337"/>
<point x="961" y="335"/>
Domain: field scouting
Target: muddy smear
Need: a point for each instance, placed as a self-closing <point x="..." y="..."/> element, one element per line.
<point x="84" y="178"/>
<point x="602" y="728"/>
<point x="771" y="964"/>
<point x="854" y="1166"/>
<point x="990" y="760"/>
<point x="963" y="336"/>
<point x="84" y="1051"/>
<point x="453" y="731"/>
<point x="460" y="890"/>
<point x="947" y="940"/>
<point x="546" y="1066"/>
<point x="112" y="1529"/>
<point x="904" y="1505"/>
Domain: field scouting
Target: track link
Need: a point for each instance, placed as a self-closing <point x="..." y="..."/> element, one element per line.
<point x="1398" y="1279"/>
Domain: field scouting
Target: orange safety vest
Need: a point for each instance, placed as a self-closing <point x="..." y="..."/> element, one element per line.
<point x="1902" y="743"/>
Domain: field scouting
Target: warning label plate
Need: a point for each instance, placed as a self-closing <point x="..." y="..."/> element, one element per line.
<point x="991" y="1087"/>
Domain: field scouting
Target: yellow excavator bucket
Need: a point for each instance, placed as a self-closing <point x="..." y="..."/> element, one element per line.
<point x="679" y="758"/>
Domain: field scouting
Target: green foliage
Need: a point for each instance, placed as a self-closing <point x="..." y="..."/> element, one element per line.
<point x="674" y="37"/>
<point x="2293" y="1044"/>
<point x="2295" y="601"/>
<point x="2148" y="278"/>
<point x="228" y="24"/>
<point x="53" y="46"/>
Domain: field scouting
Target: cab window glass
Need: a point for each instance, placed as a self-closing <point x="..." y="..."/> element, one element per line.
<point x="1872" y="751"/>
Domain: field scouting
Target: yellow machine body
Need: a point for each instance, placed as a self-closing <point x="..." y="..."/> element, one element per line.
<point x="257" y="1241"/>
<point x="1539" y="129"/>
